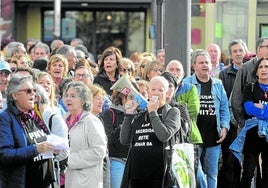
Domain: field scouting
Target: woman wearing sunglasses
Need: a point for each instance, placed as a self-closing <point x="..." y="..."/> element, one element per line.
<point x="127" y="67"/>
<point x="23" y="138"/>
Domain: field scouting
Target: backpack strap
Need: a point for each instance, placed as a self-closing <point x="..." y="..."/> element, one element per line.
<point x="50" y="122"/>
<point x="113" y="115"/>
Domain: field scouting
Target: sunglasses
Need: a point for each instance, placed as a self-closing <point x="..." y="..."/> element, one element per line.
<point x="28" y="90"/>
<point x="142" y="66"/>
<point x="156" y="70"/>
<point x="127" y="70"/>
<point x="13" y="69"/>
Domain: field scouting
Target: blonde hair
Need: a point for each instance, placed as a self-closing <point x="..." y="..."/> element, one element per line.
<point x="52" y="95"/>
<point x="58" y="58"/>
<point x="148" y="67"/>
<point x="97" y="89"/>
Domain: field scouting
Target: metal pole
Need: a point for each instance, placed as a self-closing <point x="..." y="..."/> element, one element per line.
<point x="159" y="25"/>
<point x="178" y="32"/>
<point x="57" y="18"/>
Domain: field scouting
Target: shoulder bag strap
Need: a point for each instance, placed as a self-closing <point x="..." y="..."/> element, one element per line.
<point x="50" y="122"/>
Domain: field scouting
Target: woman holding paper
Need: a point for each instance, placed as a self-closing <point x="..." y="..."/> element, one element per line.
<point x="22" y="139"/>
<point x="88" y="143"/>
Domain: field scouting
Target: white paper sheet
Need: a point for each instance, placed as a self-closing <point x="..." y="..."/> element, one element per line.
<point x="58" y="142"/>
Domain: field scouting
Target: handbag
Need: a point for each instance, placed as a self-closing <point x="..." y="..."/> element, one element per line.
<point x="180" y="171"/>
<point x="182" y="165"/>
<point x="53" y="172"/>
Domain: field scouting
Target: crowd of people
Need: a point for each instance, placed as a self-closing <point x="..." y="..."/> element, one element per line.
<point x="63" y="90"/>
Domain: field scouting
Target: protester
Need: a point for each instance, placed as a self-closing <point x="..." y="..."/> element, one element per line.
<point x="99" y="96"/>
<point x="213" y="118"/>
<point x="87" y="139"/>
<point x="57" y="67"/>
<point x="230" y="171"/>
<point x="22" y="139"/>
<point x="147" y="132"/>
<point x="109" y="68"/>
<point x="151" y="69"/>
<point x="255" y="104"/>
<point x="112" y="120"/>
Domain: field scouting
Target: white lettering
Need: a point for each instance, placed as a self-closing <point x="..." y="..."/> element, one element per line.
<point x="143" y="137"/>
<point x="37" y="134"/>
<point x="140" y="131"/>
<point x="140" y="144"/>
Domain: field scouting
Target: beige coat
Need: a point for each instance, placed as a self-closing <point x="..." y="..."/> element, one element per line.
<point x="88" y="145"/>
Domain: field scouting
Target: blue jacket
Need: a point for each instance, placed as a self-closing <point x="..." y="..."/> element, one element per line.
<point x="220" y="100"/>
<point x="238" y="144"/>
<point x="14" y="151"/>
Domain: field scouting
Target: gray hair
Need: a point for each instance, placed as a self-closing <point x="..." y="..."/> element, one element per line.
<point x="197" y="53"/>
<point x="260" y="41"/>
<point x="41" y="92"/>
<point x="235" y="42"/>
<point x="66" y="50"/>
<point x="55" y="44"/>
<point x="13" y="47"/>
<point x="15" y="83"/>
<point x="84" y="93"/>
<point x="77" y="40"/>
<point x="42" y="45"/>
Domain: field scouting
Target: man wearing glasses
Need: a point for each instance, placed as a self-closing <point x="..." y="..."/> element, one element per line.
<point x="84" y="74"/>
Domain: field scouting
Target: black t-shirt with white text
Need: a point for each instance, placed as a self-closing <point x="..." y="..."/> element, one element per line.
<point x="37" y="171"/>
<point x="206" y="119"/>
<point x="146" y="156"/>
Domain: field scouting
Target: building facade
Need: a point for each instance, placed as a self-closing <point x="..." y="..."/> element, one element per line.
<point x="130" y="25"/>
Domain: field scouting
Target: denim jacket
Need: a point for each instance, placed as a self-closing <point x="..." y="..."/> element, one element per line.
<point x="220" y="100"/>
<point x="238" y="144"/>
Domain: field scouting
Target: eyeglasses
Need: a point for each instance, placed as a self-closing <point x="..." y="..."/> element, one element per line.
<point x="264" y="46"/>
<point x="127" y="70"/>
<point x="28" y="91"/>
<point x="156" y="70"/>
<point x="142" y="66"/>
<point x="175" y="69"/>
<point x="13" y="69"/>
<point x="72" y="96"/>
<point x="84" y="76"/>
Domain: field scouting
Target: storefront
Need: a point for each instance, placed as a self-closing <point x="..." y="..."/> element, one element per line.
<point x="127" y="24"/>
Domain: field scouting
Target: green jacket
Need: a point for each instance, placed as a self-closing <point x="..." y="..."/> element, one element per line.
<point x="187" y="94"/>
